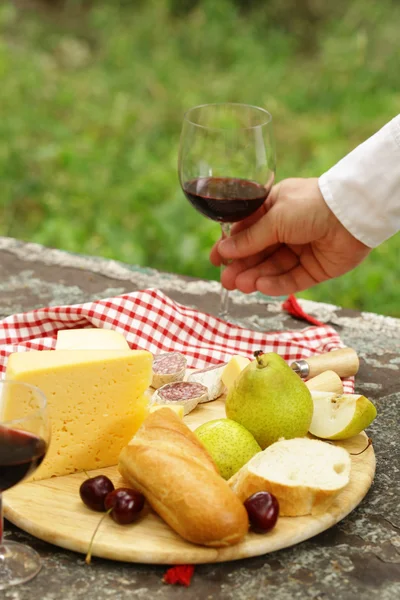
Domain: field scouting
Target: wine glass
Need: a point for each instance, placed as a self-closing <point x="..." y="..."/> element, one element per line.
<point x="226" y="164"/>
<point x="24" y="438"/>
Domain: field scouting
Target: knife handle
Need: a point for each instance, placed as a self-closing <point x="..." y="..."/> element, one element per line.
<point x="328" y="381"/>
<point x="343" y="361"/>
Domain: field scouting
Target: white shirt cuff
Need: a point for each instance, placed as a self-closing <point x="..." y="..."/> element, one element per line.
<point x="363" y="189"/>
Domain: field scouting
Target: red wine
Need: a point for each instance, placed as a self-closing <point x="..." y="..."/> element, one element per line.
<point x="225" y="199"/>
<point x="20" y="454"/>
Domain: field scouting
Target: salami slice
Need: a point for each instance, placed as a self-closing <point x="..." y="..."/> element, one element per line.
<point x="211" y="378"/>
<point x="181" y="392"/>
<point x="167" y="368"/>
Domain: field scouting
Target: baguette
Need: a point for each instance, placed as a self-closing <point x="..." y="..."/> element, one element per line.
<point x="303" y="474"/>
<point x="169" y="465"/>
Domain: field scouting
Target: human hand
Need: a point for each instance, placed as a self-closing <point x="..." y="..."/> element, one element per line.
<point x="293" y="242"/>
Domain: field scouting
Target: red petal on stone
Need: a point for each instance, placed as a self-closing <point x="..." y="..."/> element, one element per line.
<point x="179" y="575"/>
<point x="293" y="308"/>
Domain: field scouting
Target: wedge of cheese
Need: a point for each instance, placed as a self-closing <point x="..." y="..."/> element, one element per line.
<point x="96" y="401"/>
<point x="90" y="339"/>
<point x="232" y="369"/>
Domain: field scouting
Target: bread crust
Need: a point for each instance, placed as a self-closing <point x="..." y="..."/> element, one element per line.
<point x="169" y="465"/>
<point x="294" y="500"/>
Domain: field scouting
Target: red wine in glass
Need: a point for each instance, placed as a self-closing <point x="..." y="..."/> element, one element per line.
<point x="20" y="454"/>
<point x="225" y="199"/>
<point x="226" y="164"/>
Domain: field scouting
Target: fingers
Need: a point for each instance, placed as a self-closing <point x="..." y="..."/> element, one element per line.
<point x="231" y="272"/>
<point x="215" y="257"/>
<point x="237" y="227"/>
<point x="296" y="280"/>
<point x="250" y="240"/>
<point x="278" y="263"/>
<point x="285" y="271"/>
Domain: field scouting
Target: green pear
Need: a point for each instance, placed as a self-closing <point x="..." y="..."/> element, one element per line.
<point x="229" y="444"/>
<point x="340" y="416"/>
<point x="270" y="400"/>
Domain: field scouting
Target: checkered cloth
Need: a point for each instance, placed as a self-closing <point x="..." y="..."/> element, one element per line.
<point x="150" y="320"/>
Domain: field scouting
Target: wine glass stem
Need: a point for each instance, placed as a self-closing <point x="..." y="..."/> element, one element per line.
<point x="224" y="301"/>
<point x="1" y="521"/>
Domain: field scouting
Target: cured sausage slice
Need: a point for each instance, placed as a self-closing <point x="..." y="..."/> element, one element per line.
<point x="167" y="368"/>
<point x="181" y="392"/>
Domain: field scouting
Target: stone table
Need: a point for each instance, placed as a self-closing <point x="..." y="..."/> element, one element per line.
<point x="357" y="558"/>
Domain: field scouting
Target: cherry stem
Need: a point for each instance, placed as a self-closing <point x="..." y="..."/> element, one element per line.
<point x="366" y="448"/>
<point x="87" y="474"/>
<point x="89" y="554"/>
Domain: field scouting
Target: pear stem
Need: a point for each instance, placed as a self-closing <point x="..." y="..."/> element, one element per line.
<point x="258" y="354"/>
<point x="89" y="554"/>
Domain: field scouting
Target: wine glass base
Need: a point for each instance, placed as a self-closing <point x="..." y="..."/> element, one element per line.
<point x="18" y="564"/>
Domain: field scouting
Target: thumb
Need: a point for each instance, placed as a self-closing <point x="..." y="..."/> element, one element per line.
<point x="252" y="239"/>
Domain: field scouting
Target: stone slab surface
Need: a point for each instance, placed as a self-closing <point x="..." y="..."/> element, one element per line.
<point x="358" y="558"/>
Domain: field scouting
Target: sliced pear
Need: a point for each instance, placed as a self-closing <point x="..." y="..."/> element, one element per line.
<point x="340" y="416"/>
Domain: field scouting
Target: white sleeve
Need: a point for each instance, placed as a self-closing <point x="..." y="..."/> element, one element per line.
<point x="363" y="189"/>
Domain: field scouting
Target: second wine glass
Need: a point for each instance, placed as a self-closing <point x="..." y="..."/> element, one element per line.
<point x="227" y="164"/>
<point x="24" y="439"/>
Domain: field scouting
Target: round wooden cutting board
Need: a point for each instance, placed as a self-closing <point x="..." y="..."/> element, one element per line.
<point x="51" y="510"/>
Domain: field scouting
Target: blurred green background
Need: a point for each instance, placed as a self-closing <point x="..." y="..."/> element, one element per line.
<point x="91" y="101"/>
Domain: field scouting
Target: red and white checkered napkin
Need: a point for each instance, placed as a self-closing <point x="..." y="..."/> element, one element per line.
<point x="150" y="320"/>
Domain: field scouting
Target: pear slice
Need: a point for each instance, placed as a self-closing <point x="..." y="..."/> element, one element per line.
<point x="340" y="416"/>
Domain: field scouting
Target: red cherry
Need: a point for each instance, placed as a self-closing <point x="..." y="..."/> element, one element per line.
<point x="125" y="504"/>
<point x="94" y="490"/>
<point x="263" y="511"/>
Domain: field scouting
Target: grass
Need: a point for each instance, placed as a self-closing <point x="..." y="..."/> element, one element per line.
<point x="91" y="104"/>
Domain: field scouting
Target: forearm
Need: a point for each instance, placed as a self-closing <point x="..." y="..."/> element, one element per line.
<point x="363" y="189"/>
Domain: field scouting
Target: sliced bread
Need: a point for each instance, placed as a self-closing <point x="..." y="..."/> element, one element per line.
<point x="303" y="474"/>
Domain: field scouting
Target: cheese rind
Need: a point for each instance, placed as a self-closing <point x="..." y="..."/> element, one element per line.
<point x="232" y="369"/>
<point x="96" y="402"/>
<point x="90" y="339"/>
<point x="211" y="377"/>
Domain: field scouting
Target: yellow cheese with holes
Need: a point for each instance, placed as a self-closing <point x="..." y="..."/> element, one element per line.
<point x="177" y="408"/>
<point x="232" y="369"/>
<point x="90" y="339"/>
<point x="96" y="401"/>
